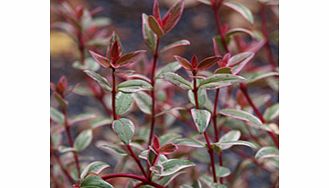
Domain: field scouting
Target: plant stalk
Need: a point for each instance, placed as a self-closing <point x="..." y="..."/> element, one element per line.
<point x="132" y="176"/>
<point x="210" y="150"/>
<point x="155" y="59"/>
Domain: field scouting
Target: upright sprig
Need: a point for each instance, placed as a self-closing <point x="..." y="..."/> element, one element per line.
<point x="154" y="28"/>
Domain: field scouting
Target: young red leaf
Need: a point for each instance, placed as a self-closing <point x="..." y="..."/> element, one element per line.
<point x="184" y="62"/>
<point x="100" y="59"/>
<point x="156" y="143"/>
<point x="208" y="62"/>
<point x="129" y="57"/>
<point x="168" y="149"/>
<point x="172" y="16"/>
<point x="156" y="11"/>
<point x="115" y="53"/>
<point x="114" y="38"/>
<point x="224" y="61"/>
<point x="155" y="26"/>
<point x="194" y="62"/>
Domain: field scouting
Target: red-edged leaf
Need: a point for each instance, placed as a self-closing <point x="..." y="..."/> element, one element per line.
<point x="208" y="62"/>
<point x="130" y="57"/>
<point x="155" y="26"/>
<point x="184" y="62"/>
<point x="115" y="52"/>
<point x="224" y="61"/>
<point x="172" y="16"/>
<point x="239" y="61"/>
<point x="223" y="70"/>
<point x="175" y="45"/>
<point x="156" y="11"/>
<point x="100" y="59"/>
<point x="234" y="31"/>
<point x="194" y="62"/>
<point x="156" y="143"/>
<point x="168" y="149"/>
<point x="114" y="38"/>
<point x="240" y="8"/>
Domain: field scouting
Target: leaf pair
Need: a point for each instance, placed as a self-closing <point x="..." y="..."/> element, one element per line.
<point x="165" y="149"/>
<point x="114" y="56"/>
<point x="195" y="65"/>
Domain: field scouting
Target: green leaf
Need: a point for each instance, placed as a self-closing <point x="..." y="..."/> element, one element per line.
<point x="177" y="80"/>
<point x="100" y="80"/>
<point x="82" y="118"/>
<point x="101" y="121"/>
<point x="267" y="152"/>
<point x="125" y="129"/>
<point x="201" y="119"/>
<point x="175" y="45"/>
<point x="172" y="166"/>
<point x="272" y="112"/>
<point x="143" y="101"/>
<point x="148" y="35"/>
<point x="190" y="142"/>
<point x="240" y="8"/>
<point x="232" y="135"/>
<point x="155" y="26"/>
<point x="83" y="140"/>
<point x="56" y="116"/>
<point x="239" y="61"/>
<point x="241" y="115"/>
<point x="234" y="31"/>
<point x="165" y="180"/>
<point x="94" y="182"/>
<point x="171" y="67"/>
<point x="95" y="167"/>
<point x="89" y="64"/>
<point x="123" y="102"/>
<point x="222" y="171"/>
<point x="132" y="86"/>
<point x="259" y="76"/>
<point x="229" y="144"/>
<point x="111" y="148"/>
<point x="223" y="70"/>
<point x="220" y="80"/>
<point x="64" y="149"/>
<point x="207" y="2"/>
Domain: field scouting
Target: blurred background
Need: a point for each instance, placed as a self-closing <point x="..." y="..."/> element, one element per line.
<point x="196" y="25"/>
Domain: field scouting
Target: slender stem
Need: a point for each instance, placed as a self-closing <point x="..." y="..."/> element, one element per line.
<point x="81" y="46"/>
<point x="114" y="113"/>
<point x="132" y="176"/>
<point x="214" y="115"/>
<point x="218" y="24"/>
<point x="266" y="35"/>
<point x="136" y="159"/>
<point x="155" y="59"/>
<point x="210" y="150"/>
<point x="70" y="139"/>
<point x="59" y="162"/>
<point x="244" y="90"/>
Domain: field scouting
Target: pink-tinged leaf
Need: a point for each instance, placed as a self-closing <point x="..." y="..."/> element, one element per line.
<point x="172" y="16"/>
<point x="241" y="9"/>
<point x="223" y="70"/>
<point x="156" y="143"/>
<point x="256" y="46"/>
<point x="184" y="62"/>
<point x="115" y="52"/>
<point x="168" y="149"/>
<point x="239" y="61"/>
<point x="114" y="38"/>
<point x="100" y="59"/>
<point x="208" y="62"/>
<point x="156" y="11"/>
<point x="194" y="62"/>
<point x="155" y="26"/>
<point x="130" y="57"/>
<point x="175" y="45"/>
<point x="234" y="31"/>
<point x="207" y="2"/>
<point x="149" y="36"/>
<point x="225" y="59"/>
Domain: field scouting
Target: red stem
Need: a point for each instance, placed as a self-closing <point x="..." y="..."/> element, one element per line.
<point x="244" y="90"/>
<point x="136" y="159"/>
<point x="132" y="176"/>
<point x="113" y="95"/>
<point x="210" y="150"/>
<point x="70" y="139"/>
<point x="218" y="24"/>
<point x="155" y="58"/>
